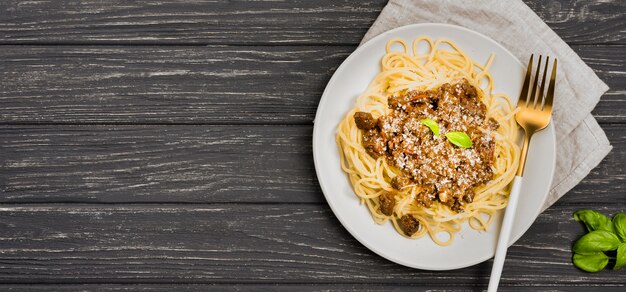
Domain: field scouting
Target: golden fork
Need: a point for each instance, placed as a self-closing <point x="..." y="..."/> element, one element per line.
<point x="533" y="116"/>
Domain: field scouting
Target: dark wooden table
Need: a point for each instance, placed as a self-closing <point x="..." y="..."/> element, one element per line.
<point x="163" y="145"/>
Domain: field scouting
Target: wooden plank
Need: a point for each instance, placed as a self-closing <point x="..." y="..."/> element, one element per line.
<point x="361" y="287"/>
<point x="249" y="243"/>
<point x="188" y="22"/>
<point x="198" y="85"/>
<point x="607" y="182"/>
<point x="157" y="164"/>
<point x="198" y="164"/>
<point x="255" y="22"/>
<point x="575" y="21"/>
<point x="610" y="66"/>
<point x="164" y="84"/>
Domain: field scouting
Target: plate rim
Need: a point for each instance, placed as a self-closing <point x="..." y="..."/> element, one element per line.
<point x="316" y="157"/>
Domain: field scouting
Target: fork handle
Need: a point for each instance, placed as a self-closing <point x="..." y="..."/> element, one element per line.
<point x="505" y="234"/>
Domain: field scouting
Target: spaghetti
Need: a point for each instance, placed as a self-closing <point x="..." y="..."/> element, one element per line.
<point x="373" y="177"/>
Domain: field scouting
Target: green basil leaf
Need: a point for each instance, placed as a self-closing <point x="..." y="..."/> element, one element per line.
<point x="596" y="241"/>
<point x="434" y="127"/>
<point x="592" y="263"/>
<point x="459" y="139"/>
<point x="620" y="259"/>
<point x="619" y="222"/>
<point x="594" y="220"/>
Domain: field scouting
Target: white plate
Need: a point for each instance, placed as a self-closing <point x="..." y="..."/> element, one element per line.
<point x="470" y="246"/>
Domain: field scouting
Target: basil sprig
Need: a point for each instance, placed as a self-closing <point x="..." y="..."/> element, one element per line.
<point x="459" y="139"/>
<point x="594" y="220"/>
<point x="620" y="259"/>
<point x="596" y="241"/>
<point x="619" y="222"/>
<point x="605" y="235"/>
<point x="432" y="125"/>
<point x="592" y="263"/>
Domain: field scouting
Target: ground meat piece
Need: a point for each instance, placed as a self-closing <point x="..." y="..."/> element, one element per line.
<point x="486" y="151"/>
<point x="418" y="97"/>
<point x="486" y="147"/>
<point x="422" y="110"/>
<point x="434" y="103"/>
<point x="391" y="144"/>
<point x="426" y="195"/>
<point x="456" y="206"/>
<point x="448" y="101"/>
<point x="473" y="107"/>
<point x="474" y="133"/>
<point x="373" y="143"/>
<point x="446" y="87"/>
<point x="484" y="176"/>
<point x="390" y="126"/>
<point x="467" y="89"/>
<point x="492" y="124"/>
<point x="468" y="198"/>
<point x="399" y="182"/>
<point x="423" y="133"/>
<point x="397" y="102"/>
<point x="364" y="121"/>
<point x="424" y="200"/>
<point x="409" y="224"/>
<point x="489" y="151"/>
<point x="444" y="193"/>
<point x="387" y="202"/>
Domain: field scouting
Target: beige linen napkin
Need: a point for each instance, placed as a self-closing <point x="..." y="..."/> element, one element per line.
<point x="581" y="143"/>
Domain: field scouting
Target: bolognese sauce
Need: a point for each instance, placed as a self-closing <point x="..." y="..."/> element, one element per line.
<point x="443" y="172"/>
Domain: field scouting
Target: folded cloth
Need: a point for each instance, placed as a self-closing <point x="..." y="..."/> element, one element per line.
<point x="581" y="143"/>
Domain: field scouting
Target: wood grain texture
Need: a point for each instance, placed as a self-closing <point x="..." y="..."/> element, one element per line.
<point x="157" y="164"/>
<point x="255" y="22"/>
<point x="250" y="243"/>
<point x="610" y="66"/>
<point x="359" y="287"/>
<point x="202" y="85"/>
<point x="582" y="17"/>
<point x="157" y="85"/>
<point x="199" y="164"/>
<point x="189" y="22"/>
<point x="172" y="166"/>
<point x="164" y="84"/>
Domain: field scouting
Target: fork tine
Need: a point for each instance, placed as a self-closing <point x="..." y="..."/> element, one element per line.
<point x="521" y="102"/>
<point x="550" y="94"/>
<point x="533" y="101"/>
<point x="540" y="97"/>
